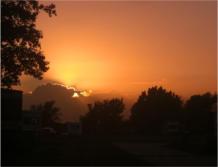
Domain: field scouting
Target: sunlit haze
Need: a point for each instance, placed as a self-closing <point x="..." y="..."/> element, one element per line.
<point x="126" y="47"/>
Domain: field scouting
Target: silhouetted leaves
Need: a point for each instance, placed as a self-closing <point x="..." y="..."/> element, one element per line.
<point x="201" y="113"/>
<point x="49" y="113"/>
<point x="20" y="47"/>
<point x="103" y="117"/>
<point x="154" y="109"/>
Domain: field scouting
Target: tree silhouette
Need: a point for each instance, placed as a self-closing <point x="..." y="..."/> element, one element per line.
<point x="20" y="47"/>
<point x="49" y="113"/>
<point x="154" y="109"/>
<point x="200" y="113"/>
<point x="103" y="117"/>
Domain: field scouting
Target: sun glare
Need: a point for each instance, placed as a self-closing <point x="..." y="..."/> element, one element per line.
<point x="86" y="93"/>
<point x="64" y="74"/>
<point x="75" y="95"/>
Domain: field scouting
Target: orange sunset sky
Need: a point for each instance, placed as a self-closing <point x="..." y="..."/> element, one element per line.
<point x="126" y="47"/>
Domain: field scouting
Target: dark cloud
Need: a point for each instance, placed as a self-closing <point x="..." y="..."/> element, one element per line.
<point x="71" y="108"/>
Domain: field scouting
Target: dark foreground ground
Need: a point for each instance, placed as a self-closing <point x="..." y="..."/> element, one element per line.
<point x="63" y="150"/>
<point x="27" y="150"/>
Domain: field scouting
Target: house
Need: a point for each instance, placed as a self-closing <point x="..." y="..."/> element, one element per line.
<point x="11" y="111"/>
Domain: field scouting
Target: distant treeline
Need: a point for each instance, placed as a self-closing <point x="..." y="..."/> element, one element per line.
<point x="157" y="111"/>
